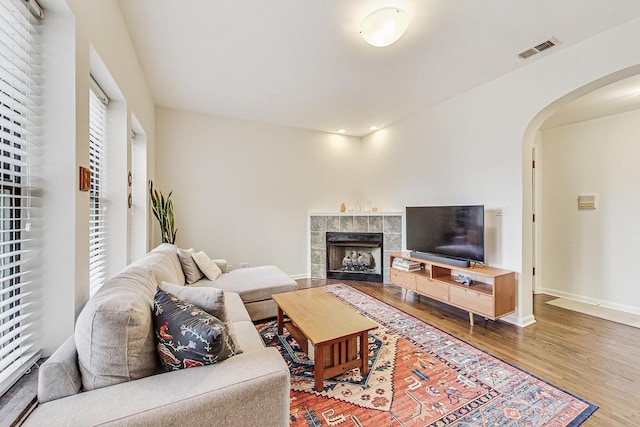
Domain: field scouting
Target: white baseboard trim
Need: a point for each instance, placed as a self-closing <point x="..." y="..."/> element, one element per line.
<point x="589" y="300"/>
<point x="514" y="319"/>
<point x="299" y="276"/>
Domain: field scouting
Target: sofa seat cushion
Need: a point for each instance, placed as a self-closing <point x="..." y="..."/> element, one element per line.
<point x="251" y="389"/>
<point x="254" y="283"/>
<point x="114" y="332"/>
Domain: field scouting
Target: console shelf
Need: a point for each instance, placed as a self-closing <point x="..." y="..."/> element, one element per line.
<point x="492" y="295"/>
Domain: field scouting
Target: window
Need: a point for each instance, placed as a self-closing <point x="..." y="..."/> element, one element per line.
<point x="97" y="202"/>
<point x="19" y="120"/>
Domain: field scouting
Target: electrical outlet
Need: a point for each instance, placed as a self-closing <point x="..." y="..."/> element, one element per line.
<point x="244" y="264"/>
<point x="586" y="202"/>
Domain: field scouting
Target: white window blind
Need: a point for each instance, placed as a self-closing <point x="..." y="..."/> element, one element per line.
<point x="97" y="202"/>
<point x="19" y="120"/>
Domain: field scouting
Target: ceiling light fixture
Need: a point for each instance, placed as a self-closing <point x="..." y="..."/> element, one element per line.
<point x="342" y="131"/>
<point x="373" y="128"/>
<point x="384" y="26"/>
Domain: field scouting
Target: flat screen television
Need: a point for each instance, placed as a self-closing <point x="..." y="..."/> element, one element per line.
<point x="451" y="232"/>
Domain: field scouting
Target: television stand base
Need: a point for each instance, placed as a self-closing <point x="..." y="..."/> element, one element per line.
<point x="492" y="295"/>
<point x="443" y="259"/>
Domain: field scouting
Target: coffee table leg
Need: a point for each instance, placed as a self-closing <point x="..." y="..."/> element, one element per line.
<point x="318" y="368"/>
<point x="364" y="352"/>
<point x="280" y="321"/>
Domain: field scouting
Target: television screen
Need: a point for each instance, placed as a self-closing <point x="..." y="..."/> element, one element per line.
<point x="452" y="231"/>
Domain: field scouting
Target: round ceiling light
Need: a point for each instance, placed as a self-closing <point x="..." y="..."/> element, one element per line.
<point x="384" y="26"/>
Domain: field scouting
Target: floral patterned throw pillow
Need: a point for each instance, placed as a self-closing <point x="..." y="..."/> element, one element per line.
<point x="187" y="336"/>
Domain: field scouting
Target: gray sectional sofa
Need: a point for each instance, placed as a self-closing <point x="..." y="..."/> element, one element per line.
<point x="108" y="373"/>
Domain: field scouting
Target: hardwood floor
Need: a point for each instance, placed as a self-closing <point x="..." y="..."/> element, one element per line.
<point x="593" y="358"/>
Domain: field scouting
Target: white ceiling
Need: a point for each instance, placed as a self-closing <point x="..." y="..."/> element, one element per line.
<point x="304" y="64"/>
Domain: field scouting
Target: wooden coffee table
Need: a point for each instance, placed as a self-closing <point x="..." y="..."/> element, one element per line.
<point x="333" y="328"/>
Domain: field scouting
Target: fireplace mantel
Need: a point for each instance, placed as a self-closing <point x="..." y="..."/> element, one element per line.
<point x="391" y="224"/>
<point x="361" y="213"/>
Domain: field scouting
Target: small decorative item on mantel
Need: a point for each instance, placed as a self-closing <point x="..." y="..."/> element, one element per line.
<point x="343" y="207"/>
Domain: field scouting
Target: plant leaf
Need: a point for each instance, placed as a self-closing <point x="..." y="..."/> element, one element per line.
<point x="163" y="211"/>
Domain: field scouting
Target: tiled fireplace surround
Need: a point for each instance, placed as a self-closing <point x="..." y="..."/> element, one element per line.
<point x="388" y="223"/>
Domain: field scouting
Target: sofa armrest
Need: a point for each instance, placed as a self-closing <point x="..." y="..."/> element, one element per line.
<point x="248" y="389"/>
<point x="222" y="263"/>
<point x="59" y="375"/>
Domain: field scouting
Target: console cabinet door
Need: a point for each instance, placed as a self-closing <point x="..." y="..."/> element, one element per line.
<point x="432" y="288"/>
<point x="472" y="300"/>
<point x="405" y="279"/>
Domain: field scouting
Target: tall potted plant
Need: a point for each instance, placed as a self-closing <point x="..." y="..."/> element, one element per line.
<point x="163" y="211"/>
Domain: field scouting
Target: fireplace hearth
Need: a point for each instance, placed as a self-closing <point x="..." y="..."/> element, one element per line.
<point x="354" y="256"/>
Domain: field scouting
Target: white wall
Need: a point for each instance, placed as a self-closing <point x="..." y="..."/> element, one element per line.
<point x="242" y="189"/>
<point x="467" y="150"/>
<point x="74" y="31"/>
<point x="139" y="218"/>
<point x="588" y="254"/>
<point x="422" y="163"/>
<point x="473" y="148"/>
<point x="476" y="147"/>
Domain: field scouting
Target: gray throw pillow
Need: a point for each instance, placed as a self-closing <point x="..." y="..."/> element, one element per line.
<point x="191" y="271"/>
<point x="210" y="300"/>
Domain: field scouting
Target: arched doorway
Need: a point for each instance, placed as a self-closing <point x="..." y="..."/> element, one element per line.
<point x="611" y="95"/>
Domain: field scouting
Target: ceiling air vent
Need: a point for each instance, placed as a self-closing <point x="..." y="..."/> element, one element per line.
<point x="541" y="47"/>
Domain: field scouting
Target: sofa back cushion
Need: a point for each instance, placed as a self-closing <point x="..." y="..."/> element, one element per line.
<point x="164" y="264"/>
<point x="114" y="332"/>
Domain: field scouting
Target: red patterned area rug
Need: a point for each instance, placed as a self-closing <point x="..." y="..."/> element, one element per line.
<point x="420" y="376"/>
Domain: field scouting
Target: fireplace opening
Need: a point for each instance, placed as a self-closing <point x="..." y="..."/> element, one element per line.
<point x="355" y="256"/>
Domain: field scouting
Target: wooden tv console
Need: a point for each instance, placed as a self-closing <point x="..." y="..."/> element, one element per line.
<point x="492" y="295"/>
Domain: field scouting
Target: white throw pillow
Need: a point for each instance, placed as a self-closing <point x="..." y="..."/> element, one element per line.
<point x="206" y="265"/>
